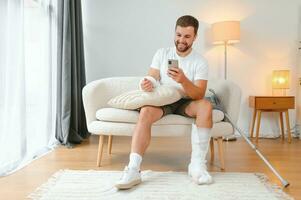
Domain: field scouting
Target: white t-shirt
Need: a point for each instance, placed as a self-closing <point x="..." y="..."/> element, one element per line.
<point x="194" y="66"/>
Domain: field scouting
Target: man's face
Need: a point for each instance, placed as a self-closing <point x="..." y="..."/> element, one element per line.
<point x="184" y="38"/>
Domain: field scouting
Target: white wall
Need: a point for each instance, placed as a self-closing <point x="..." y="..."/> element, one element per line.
<point x="122" y="36"/>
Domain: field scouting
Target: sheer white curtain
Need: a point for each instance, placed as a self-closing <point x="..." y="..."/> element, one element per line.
<point x="27" y="84"/>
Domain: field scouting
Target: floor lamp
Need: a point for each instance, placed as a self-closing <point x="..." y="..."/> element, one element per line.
<point x="225" y="33"/>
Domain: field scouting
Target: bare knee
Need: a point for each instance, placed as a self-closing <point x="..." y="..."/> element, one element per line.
<point x="204" y="108"/>
<point x="150" y="114"/>
<point x="199" y="107"/>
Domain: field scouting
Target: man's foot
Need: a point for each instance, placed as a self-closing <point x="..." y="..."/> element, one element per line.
<point x="199" y="174"/>
<point x="130" y="178"/>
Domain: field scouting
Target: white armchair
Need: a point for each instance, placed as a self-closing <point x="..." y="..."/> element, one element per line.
<point x="105" y="121"/>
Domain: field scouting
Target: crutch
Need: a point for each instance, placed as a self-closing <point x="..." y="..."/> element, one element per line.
<point x="283" y="181"/>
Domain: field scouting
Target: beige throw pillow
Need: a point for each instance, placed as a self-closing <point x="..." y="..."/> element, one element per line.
<point x="160" y="96"/>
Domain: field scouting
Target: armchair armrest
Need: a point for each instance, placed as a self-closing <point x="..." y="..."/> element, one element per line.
<point x="95" y="96"/>
<point x="230" y="96"/>
<point x="97" y="93"/>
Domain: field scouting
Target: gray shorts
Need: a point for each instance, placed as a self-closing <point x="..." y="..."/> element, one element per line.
<point x="177" y="107"/>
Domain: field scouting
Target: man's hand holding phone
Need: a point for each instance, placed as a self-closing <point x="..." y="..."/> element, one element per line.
<point x="175" y="72"/>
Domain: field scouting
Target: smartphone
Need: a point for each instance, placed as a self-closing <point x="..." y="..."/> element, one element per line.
<point x="172" y="63"/>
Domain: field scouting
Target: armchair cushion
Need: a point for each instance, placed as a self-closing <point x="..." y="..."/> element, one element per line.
<point x="161" y="95"/>
<point x="219" y="129"/>
<point x="131" y="116"/>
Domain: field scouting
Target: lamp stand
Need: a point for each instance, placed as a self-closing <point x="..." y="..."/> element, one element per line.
<point x="229" y="137"/>
<point x="283" y="92"/>
<point x="225" y="64"/>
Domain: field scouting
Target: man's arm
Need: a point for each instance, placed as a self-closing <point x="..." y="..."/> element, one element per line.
<point x="195" y="91"/>
<point x="146" y="84"/>
<point x="154" y="73"/>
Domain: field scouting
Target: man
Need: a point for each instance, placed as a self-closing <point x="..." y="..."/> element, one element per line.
<point x="191" y="77"/>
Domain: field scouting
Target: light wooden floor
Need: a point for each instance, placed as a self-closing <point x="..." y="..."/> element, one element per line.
<point x="163" y="154"/>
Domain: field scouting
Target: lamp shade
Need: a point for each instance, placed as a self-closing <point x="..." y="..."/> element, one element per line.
<point x="280" y="79"/>
<point x="226" y="32"/>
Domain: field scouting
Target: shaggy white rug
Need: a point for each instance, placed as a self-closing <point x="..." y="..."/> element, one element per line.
<point x="96" y="185"/>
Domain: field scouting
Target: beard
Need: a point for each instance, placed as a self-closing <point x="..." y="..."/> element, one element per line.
<point x="182" y="47"/>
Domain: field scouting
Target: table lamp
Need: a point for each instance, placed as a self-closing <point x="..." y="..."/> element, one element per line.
<point x="280" y="80"/>
<point x="226" y="32"/>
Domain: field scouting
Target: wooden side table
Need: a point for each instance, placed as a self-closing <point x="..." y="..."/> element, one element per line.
<point x="271" y="104"/>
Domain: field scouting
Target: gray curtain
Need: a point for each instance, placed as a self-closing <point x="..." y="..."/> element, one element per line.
<point x="70" y="120"/>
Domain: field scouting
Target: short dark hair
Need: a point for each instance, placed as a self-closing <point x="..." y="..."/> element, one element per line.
<point x="188" y="20"/>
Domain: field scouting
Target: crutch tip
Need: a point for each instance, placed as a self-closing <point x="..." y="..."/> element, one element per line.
<point x="285" y="184"/>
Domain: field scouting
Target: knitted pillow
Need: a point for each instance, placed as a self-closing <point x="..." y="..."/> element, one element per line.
<point x="161" y="95"/>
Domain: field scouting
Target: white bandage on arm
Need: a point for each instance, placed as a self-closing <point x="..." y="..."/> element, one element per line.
<point x="151" y="79"/>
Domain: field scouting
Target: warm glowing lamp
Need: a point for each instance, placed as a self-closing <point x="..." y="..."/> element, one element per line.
<point x="225" y="32"/>
<point x="280" y="80"/>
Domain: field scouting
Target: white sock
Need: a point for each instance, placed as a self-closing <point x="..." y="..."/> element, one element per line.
<point x="135" y="161"/>
<point x="200" y="138"/>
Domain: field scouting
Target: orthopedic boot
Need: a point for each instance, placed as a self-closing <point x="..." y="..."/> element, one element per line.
<point x="200" y="138"/>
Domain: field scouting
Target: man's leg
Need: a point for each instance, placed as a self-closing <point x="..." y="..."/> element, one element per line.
<point x="200" y="137"/>
<point x="140" y="141"/>
<point x="142" y="134"/>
